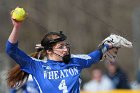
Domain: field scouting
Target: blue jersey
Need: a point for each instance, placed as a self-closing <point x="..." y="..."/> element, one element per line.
<point x="54" y="76"/>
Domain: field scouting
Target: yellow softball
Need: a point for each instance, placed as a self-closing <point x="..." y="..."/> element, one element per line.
<point x="18" y="14"/>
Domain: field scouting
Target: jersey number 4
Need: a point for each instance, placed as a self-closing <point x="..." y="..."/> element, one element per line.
<point x="62" y="86"/>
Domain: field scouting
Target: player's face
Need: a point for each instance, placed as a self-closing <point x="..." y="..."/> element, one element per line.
<point x="60" y="49"/>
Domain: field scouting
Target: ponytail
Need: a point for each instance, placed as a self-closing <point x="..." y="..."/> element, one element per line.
<point x="16" y="76"/>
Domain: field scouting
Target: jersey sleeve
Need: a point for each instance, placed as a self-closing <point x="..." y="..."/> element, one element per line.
<point x="26" y="62"/>
<point x="86" y="60"/>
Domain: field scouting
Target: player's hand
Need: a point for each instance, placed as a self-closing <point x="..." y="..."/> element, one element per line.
<point x="115" y="42"/>
<point x="16" y="24"/>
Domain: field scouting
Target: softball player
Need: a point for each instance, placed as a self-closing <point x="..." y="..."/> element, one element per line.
<point x="60" y="73"/>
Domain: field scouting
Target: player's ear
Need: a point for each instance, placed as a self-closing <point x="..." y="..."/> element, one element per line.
<point x="49" y="51"/>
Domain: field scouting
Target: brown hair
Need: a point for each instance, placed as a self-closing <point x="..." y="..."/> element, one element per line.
<point x="16" y="77"/>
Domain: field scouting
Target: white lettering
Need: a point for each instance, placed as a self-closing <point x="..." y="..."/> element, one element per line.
<point x="66" y="71"/>
<point x="71" y="71"/>
<point x="56" y="74"/>
<point x="75" y="71"/>
<point x="45" y="74"/>
<point x="61" y="74"/>
<point x="51" y="76"/>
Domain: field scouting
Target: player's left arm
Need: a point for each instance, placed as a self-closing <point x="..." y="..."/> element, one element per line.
<point x="87" y="60"/>
<point x="96" y="56"/>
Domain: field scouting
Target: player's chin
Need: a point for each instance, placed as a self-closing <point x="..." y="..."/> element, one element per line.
<point x="65" y="53"/>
